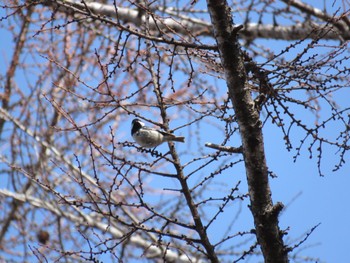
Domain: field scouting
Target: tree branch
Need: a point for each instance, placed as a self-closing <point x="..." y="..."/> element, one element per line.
<point x="92" y="221"/>
<point x="224" y="148"/>
<point x="183" y="25"/>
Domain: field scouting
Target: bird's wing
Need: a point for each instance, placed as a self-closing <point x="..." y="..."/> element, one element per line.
<point x="164" y="133"/>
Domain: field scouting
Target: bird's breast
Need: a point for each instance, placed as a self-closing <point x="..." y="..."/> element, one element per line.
<point x="148" y="138"/>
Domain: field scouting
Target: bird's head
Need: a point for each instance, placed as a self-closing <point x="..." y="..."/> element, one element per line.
<point x="136" y="125"/>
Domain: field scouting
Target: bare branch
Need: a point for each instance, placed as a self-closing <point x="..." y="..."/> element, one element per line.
<point x="224" y="148"/>
<point x="96" y="222"/>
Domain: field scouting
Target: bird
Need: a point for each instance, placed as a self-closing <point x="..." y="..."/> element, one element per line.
<point x="149" y="137"/>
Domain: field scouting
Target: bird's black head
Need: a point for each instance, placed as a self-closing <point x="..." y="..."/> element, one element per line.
<point x="135" y="126"/>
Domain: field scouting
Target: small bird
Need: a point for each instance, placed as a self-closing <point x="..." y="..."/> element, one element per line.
<point x="150" y="138"/>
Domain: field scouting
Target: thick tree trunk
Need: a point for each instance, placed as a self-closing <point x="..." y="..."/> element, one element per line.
<point x="264" y="212"/>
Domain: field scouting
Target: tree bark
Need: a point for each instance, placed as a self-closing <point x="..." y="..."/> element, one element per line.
<point x="265" y="214"/>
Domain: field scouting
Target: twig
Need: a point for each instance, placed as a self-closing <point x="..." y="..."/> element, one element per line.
<point x="224" y="148"/>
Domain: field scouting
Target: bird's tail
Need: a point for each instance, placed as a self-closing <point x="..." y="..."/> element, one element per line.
<point x="174" y="138"/>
